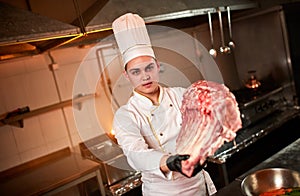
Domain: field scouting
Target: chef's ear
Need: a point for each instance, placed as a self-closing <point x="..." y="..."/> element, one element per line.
<point x="125" y="74"/>
<point x="158" y="64"/>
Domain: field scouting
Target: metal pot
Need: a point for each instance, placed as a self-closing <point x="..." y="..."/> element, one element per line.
<point x="269" y="179"/>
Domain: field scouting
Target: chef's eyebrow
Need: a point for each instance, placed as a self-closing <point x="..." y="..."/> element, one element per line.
<point x="136" y="69"/>
<point x="133" y="69"/>
<point x="152" y="63"/>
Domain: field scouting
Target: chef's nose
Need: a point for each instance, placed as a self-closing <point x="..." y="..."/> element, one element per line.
<point x="146" y="76"/>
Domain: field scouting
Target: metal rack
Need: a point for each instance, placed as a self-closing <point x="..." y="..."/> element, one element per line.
<point x="17" y="120"/>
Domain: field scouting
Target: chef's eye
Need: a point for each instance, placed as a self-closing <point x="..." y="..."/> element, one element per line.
<point x="149" y="68"/>
<point x="135" y="72"/>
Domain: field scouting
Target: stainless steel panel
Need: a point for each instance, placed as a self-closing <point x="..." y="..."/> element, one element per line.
<point x="113" y="163"/>
<point x="260" y="46"/>
<point x="117" y="169"/>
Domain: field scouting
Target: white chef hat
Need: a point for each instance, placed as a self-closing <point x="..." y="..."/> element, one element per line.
<point x="132" y="37"/>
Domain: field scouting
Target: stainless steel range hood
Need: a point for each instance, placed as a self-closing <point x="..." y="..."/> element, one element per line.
<point x="19" y="26"/>
<point x="26" y="33"/>
<point x="175" y="13"/>
<point x="158" y="11"/>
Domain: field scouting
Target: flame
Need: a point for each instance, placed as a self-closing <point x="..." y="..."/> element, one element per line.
<point x="112" y="132"/>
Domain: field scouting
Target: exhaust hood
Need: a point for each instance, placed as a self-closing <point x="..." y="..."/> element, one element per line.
<point x="26" y="33"/>
<point x="158" y="11"/>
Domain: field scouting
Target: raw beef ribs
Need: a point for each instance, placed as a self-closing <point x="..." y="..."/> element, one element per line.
<point x="210" y="116"/>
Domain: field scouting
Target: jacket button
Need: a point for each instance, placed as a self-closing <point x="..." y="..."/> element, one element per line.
<point x="161" y="134"/>
<point x="152" y="114"/>
<point x="171" y="105"/>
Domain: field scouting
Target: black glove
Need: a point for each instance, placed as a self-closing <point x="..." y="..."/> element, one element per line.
<point x="174" y="164"/>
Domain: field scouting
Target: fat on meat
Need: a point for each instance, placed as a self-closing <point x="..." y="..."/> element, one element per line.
<point x="210" y="116"/>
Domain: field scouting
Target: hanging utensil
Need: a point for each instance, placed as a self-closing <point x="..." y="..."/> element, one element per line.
<point x="231" y="44"/>
<point x="212" y="51"/>
<point x="223" y="49"/>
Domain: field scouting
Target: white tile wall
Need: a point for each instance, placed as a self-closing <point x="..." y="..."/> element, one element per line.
<point x="13" y="93"/>
<point x="29" y="137"/>
<point x="11" y="68"/>
<point x="9" y="161"/>
<point x="67" y="56"/>
<point x="86" y="121"/>
<point x="74" y="131"/>
<point x="65" y="77"/>
<point x="53" y="126"/>
<point x="70" y="119"/>
<point x="174" y="77"/>
<point x="9" y="154"/>
<point x="8" y="146"/>
<point x="29" y="82"/>
<point x="40" y="89"/>
<point x="33" y="153"/>
<point x="36" y="63"/>
<point x="58" y="144"/>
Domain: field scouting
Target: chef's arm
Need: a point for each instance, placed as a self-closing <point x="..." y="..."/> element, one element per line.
<point x="163" y="164"/>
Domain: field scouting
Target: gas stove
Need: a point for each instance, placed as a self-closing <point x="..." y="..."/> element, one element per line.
<point x="256" y="104"/>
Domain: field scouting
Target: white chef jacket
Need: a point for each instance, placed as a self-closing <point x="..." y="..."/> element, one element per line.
<point x="146" y="132"/>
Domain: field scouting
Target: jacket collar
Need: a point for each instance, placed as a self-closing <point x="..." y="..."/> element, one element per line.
<point x="146" y="101"/>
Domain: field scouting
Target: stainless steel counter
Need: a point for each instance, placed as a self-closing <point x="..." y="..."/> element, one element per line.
<point x="286" y="158"/>
<point x="49" y="175"/>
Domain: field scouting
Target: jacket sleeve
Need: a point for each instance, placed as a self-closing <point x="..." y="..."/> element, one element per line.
<point x="140" y="157"/>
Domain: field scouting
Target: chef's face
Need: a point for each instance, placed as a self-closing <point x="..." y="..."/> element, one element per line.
<point x="143" y="73"/>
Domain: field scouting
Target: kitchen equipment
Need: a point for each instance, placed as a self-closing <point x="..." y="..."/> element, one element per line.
<point x="118" y="177"/>
<point x="212" y="51"/>
<point x="252" y="81"/>
<point x="223" y="49"/>
<point x="231" y="44"/>
<point x="256" y="104"/>
<point x="269" y="179"/>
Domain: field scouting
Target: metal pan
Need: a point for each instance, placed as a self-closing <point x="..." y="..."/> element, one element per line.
<point x="269" y="179"/>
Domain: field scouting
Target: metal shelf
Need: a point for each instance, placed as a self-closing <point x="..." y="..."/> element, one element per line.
<point x="17" y="120"/>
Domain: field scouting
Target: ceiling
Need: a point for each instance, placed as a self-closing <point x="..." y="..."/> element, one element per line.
<point x="36" y="26"/>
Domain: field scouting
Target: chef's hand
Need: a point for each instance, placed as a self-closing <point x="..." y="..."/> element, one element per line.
<point x="190" y="169"/>
<point x="174" y="162"/>
<point x="198" y="167"/>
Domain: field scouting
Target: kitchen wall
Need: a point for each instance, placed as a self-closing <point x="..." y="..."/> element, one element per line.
<point x="263" y="46"/>
<point x="29" y="82"/>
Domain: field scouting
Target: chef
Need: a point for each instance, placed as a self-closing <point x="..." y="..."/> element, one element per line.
<point x="147" y="126"/>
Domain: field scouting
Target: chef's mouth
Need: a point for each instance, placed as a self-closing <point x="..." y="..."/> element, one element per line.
<point x="147" y="84"/>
